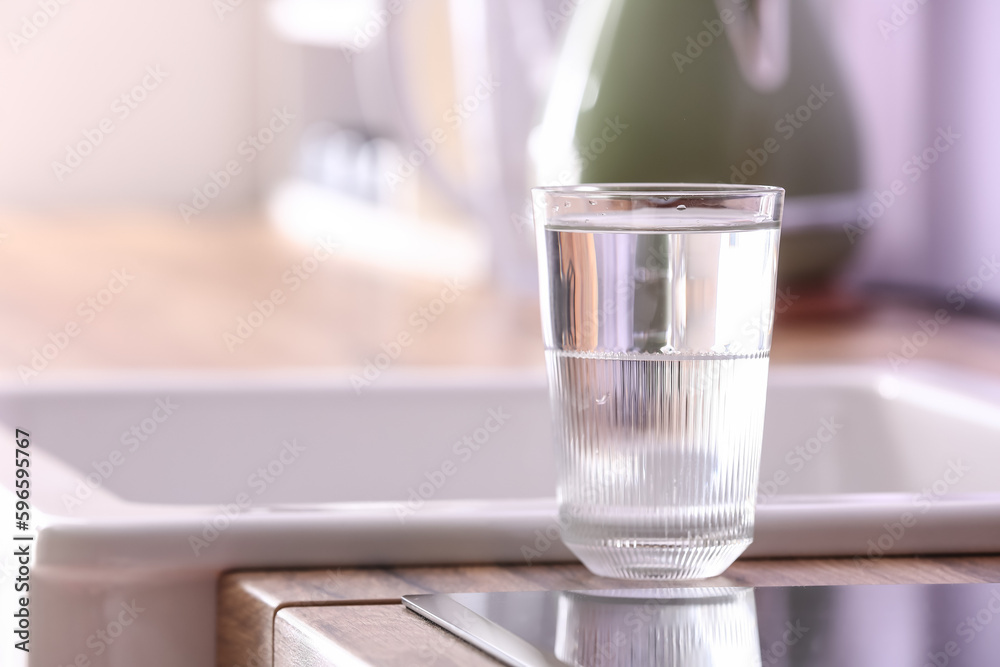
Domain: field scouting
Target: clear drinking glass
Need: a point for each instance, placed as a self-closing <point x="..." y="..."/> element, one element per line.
<point x="657" y="306"/>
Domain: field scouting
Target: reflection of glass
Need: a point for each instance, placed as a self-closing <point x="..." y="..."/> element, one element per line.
<point x="690" y="627"/>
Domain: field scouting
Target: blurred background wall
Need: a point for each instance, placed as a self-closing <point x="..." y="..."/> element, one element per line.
<point x="66" y="66"/>
<point x="145" y="106"/>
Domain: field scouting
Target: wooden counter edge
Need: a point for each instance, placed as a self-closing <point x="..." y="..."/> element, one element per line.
<point x="249" y="600"/>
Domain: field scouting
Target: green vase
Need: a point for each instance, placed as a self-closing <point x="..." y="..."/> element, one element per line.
<point x="713" y="91"/>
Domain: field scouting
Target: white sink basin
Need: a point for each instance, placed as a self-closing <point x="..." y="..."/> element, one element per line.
<point x="300" y="470"/>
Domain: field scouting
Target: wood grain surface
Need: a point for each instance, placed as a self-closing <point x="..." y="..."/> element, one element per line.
<point x="250" y="602"/>
<point x="368" y="635"/>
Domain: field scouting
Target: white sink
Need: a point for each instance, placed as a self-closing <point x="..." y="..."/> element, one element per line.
<point x="299" y="470"/>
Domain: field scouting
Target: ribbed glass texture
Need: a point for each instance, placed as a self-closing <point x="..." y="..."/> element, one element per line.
<point x="659" y="459"/>
<point x="657" y="314"/>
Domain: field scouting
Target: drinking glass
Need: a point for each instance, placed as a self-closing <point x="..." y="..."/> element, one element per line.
<point x="657" y="306"/>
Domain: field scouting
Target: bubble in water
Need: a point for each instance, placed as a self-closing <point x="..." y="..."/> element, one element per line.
<point x="592" y="202"/>
<point x="602" y="400"/>
<point x="681" y="207"/>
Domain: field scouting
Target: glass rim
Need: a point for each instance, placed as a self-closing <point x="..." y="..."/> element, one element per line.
<point x="601" y="190"/>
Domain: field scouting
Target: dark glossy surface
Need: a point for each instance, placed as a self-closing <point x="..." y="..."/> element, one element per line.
<point x="941" y="625"/>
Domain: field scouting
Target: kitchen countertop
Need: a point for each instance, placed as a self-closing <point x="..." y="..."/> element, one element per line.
<point x="354" y="616"/>
<point x="188" y="286"/>
<point x="141" y="291"/>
